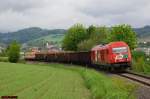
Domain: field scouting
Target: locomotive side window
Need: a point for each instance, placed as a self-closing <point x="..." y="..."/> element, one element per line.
<point x="120" y="49"/>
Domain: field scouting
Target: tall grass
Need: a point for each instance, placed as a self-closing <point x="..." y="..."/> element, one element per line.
<point x="103" y="87"/>
<point x="140" y="63"/>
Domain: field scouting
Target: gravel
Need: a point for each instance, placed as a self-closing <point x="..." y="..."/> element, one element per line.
<point x="143" y="92"/>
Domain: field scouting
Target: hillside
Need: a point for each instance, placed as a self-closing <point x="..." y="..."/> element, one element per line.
<point x="51" y="38"/>
<point x="143" y="33"/>
<point x="28" y="34"/>
<point x="37" y="36"/>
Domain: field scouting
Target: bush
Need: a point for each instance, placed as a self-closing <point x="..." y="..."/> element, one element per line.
<point x="137" y="54"/>
<point x="14" y="52"/>
<point x="140" y="64"/>
<point x="147" y="69"/>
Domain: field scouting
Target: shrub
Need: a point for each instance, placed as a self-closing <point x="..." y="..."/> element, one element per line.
<point x="14" y="52"/>
<point x="137" y="54"/>
<point x="147" y="69"/>
<point x="140" y="64"/>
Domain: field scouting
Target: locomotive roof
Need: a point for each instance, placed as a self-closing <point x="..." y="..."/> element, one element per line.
<point x="119" y="43"/>
<point x="112" y="44"/>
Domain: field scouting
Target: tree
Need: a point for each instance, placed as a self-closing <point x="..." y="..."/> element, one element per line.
<point x="74" y="36"/>
<point x="14" y="52"/>
<point x="123" y="33"/>
<point x="91" y="29"/>
<point x="86" y="45"/>
<point x="98" y="35"/>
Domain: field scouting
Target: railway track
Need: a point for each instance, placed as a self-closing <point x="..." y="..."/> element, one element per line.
<point x="145" y="80"/>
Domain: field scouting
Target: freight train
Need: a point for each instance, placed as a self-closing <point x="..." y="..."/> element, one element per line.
<point x="112" y="56"/>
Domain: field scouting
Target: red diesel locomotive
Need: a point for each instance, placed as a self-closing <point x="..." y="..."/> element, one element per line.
<point x="112" y="55"/>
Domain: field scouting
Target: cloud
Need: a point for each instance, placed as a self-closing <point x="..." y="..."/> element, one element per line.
<point x="17" y="14"/>
<point x="134" y="12"/>
<point x="98" y="8"/>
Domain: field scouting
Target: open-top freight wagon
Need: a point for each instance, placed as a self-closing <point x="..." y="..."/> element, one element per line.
<point x="65" y="57"/>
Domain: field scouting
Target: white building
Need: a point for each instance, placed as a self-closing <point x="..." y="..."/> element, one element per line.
<point x="147" y="51"/>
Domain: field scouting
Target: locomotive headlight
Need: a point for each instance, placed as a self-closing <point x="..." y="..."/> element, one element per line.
<point x="120" y="56"/>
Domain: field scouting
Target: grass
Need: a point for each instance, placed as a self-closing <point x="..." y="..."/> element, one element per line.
<point x="102" y="86"/>
<point x="56" y="81"/>
<point x="41" y="82"/>
<point x="147" y="67"/>
<point x="3" y="59"/>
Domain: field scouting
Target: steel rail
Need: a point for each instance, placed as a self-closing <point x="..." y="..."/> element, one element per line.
<point x="136" y="77"/>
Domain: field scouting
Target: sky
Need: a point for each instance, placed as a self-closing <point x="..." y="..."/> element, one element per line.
<point x="52" y="14"/>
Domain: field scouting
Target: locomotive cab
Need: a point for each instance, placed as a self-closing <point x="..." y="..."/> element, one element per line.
<point x="114" y="55"/>
<point x="120" y="54"/>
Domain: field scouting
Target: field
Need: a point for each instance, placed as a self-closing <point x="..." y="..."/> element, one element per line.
<point x="30" y="82"/>
<point x="56" y="81"/>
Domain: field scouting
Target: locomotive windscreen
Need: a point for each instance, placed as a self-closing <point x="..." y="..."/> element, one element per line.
<point x="120" y="49"/>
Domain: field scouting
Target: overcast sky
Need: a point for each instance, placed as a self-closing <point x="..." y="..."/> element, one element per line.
<point x="50" y="14"/>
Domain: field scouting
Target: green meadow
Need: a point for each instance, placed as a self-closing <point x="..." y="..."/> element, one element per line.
<point x="57" y="81"/>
